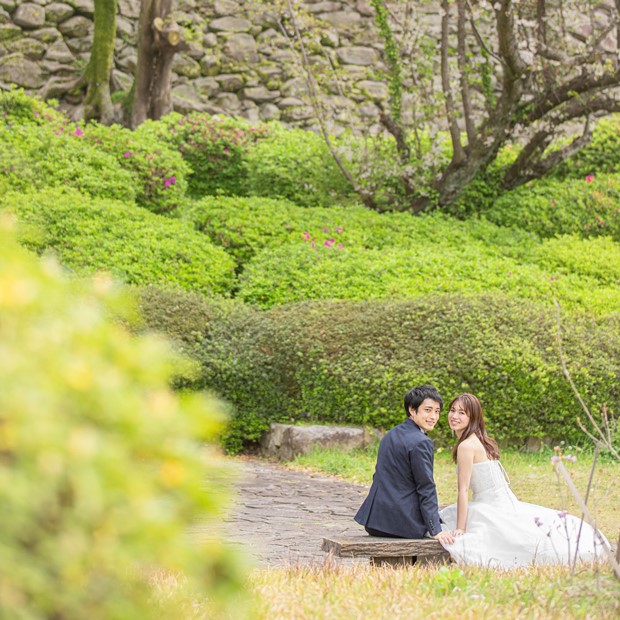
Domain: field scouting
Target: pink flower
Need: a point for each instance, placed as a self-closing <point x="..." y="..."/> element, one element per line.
<point x="339" y="229"/>
<point x="78" y="132"/>
<point x="562" y="514"/>
<point x="306" y="235"/>
<point x="170" y="181"/>
<point x="555" y="458"/>
<point x="538" y="522"/>
<point x="589" y="178"/>
<point x="571" y="458"/>
<point x="328" y="243"/>
<point x="127" y="154"/>
<point x="324" y="229"/>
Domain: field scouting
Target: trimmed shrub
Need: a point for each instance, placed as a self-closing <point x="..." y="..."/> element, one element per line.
<point x="160" y="172"/>
<point x="36" y="157"/>
<point x="597" y="258"/>
<point x="601" y="156"/>
<point x="296" y="165"/>
<point x="351" y="363"/>
<point x="254" y="377"/>
<point x="301" y="272"/>
<point x="102" y="467"/>
<point x="41" y="148"/>
<point x="215" y="147"/>
<point x="244" y="226"/>
<point x="588" y="207"/>
<point x="136" y="246"/>
<point x="343" y="362"/>
<point x="17" y="107"/>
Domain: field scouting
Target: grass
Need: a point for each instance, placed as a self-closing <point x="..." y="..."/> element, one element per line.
<point x="302" y="593"/>
<point x="531" y="476"/>
<point x="343" y="592"/>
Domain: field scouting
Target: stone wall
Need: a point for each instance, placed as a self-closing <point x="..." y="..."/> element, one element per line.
<point x="237" y="61"/>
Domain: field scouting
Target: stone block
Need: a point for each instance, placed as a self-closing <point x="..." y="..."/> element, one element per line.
<point x="58" y="11"/>
<point x="357" y="55"/>
<point x="29" y="16"/>
<point x="15" y="69"/>
<point x="341" y="19"/>
<point x="241" y="47"/>
<point x="59" y="52"/>
<point x="230" y="24"/>
<point x="76" y="27"/>
<point x="286" y="441"/>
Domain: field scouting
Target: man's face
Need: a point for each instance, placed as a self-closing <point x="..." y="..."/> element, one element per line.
<point x="427" y="414"/>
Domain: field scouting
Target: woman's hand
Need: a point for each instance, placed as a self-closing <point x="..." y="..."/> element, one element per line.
<point x="457" y="532"/>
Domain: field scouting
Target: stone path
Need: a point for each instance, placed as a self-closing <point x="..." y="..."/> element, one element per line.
<point x="281" y="515"/>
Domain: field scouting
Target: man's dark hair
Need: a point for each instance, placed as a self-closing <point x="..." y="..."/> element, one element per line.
<point x="417" y="395"/>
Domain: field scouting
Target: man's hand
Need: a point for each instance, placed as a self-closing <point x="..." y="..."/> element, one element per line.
<point x="445" y="537"/>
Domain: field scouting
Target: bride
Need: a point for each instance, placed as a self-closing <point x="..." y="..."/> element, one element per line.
<point x="496" y="529"/>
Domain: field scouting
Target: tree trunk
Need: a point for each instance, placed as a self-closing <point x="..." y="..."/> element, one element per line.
<point x="98" y="103"/>
<point x="159" y="39"/>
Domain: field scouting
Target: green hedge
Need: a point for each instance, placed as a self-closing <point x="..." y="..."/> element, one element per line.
<point x="36" y="157"/>
<point x="133" y="244"/>
<point x="102" y="467"/>
<point x="300" y="272"/>
<point x="39" y="148"/>
<point x="588" y="207"/>
<point x="351" y="362"/>
<point x="296" y="165"/>
<point x="245" y="226"/>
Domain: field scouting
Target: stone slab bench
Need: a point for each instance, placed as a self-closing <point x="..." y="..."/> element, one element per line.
<point x="387" y="551"/>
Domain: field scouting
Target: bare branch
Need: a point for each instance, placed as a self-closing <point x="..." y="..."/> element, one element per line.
<point x="314" y="99"/>
<point x="590" y="417"/>
<point x="464" y="71"/>
<point x="458" y="154"/>
<point x="559" y="467"/>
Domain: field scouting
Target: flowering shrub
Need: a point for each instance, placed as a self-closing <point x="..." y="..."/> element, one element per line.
<point x="160" y="172"/>
<point x="215" y="148"/>
<point x="39" y="147"/>
<point x="38" y="156"/>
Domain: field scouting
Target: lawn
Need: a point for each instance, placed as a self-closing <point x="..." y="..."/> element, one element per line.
<point x="532" y="478"/>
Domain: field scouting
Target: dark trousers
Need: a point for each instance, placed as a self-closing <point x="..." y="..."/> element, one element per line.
<point x="372" y="532"/>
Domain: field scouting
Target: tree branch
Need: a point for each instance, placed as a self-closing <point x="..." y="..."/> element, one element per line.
<point x="458" y="154"/>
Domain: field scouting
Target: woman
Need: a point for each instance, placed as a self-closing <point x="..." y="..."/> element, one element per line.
<point x="495" y="528"/>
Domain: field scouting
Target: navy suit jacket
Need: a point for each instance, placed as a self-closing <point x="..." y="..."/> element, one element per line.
<point x="402" y="500"/>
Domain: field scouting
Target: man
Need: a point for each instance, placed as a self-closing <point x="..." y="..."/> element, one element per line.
<point x="402" y="501"/>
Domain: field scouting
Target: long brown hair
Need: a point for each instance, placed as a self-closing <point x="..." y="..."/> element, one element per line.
<point x="476" y="426"/>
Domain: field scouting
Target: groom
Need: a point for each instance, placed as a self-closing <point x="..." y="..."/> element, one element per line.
<point x="402" y="501"/>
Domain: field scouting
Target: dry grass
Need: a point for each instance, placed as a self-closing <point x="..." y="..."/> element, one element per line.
<point x="449" y="592"/>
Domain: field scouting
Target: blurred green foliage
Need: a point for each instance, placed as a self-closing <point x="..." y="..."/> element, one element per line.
<point x="102" y="466"/>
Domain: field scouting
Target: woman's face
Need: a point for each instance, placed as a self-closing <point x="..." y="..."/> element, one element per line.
<point x="458" y="418"/>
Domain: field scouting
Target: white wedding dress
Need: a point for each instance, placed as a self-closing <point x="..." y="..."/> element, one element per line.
<point x="503" y="532"/>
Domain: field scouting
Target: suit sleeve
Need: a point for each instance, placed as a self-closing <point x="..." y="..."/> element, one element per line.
<point x="421" y="460"/>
